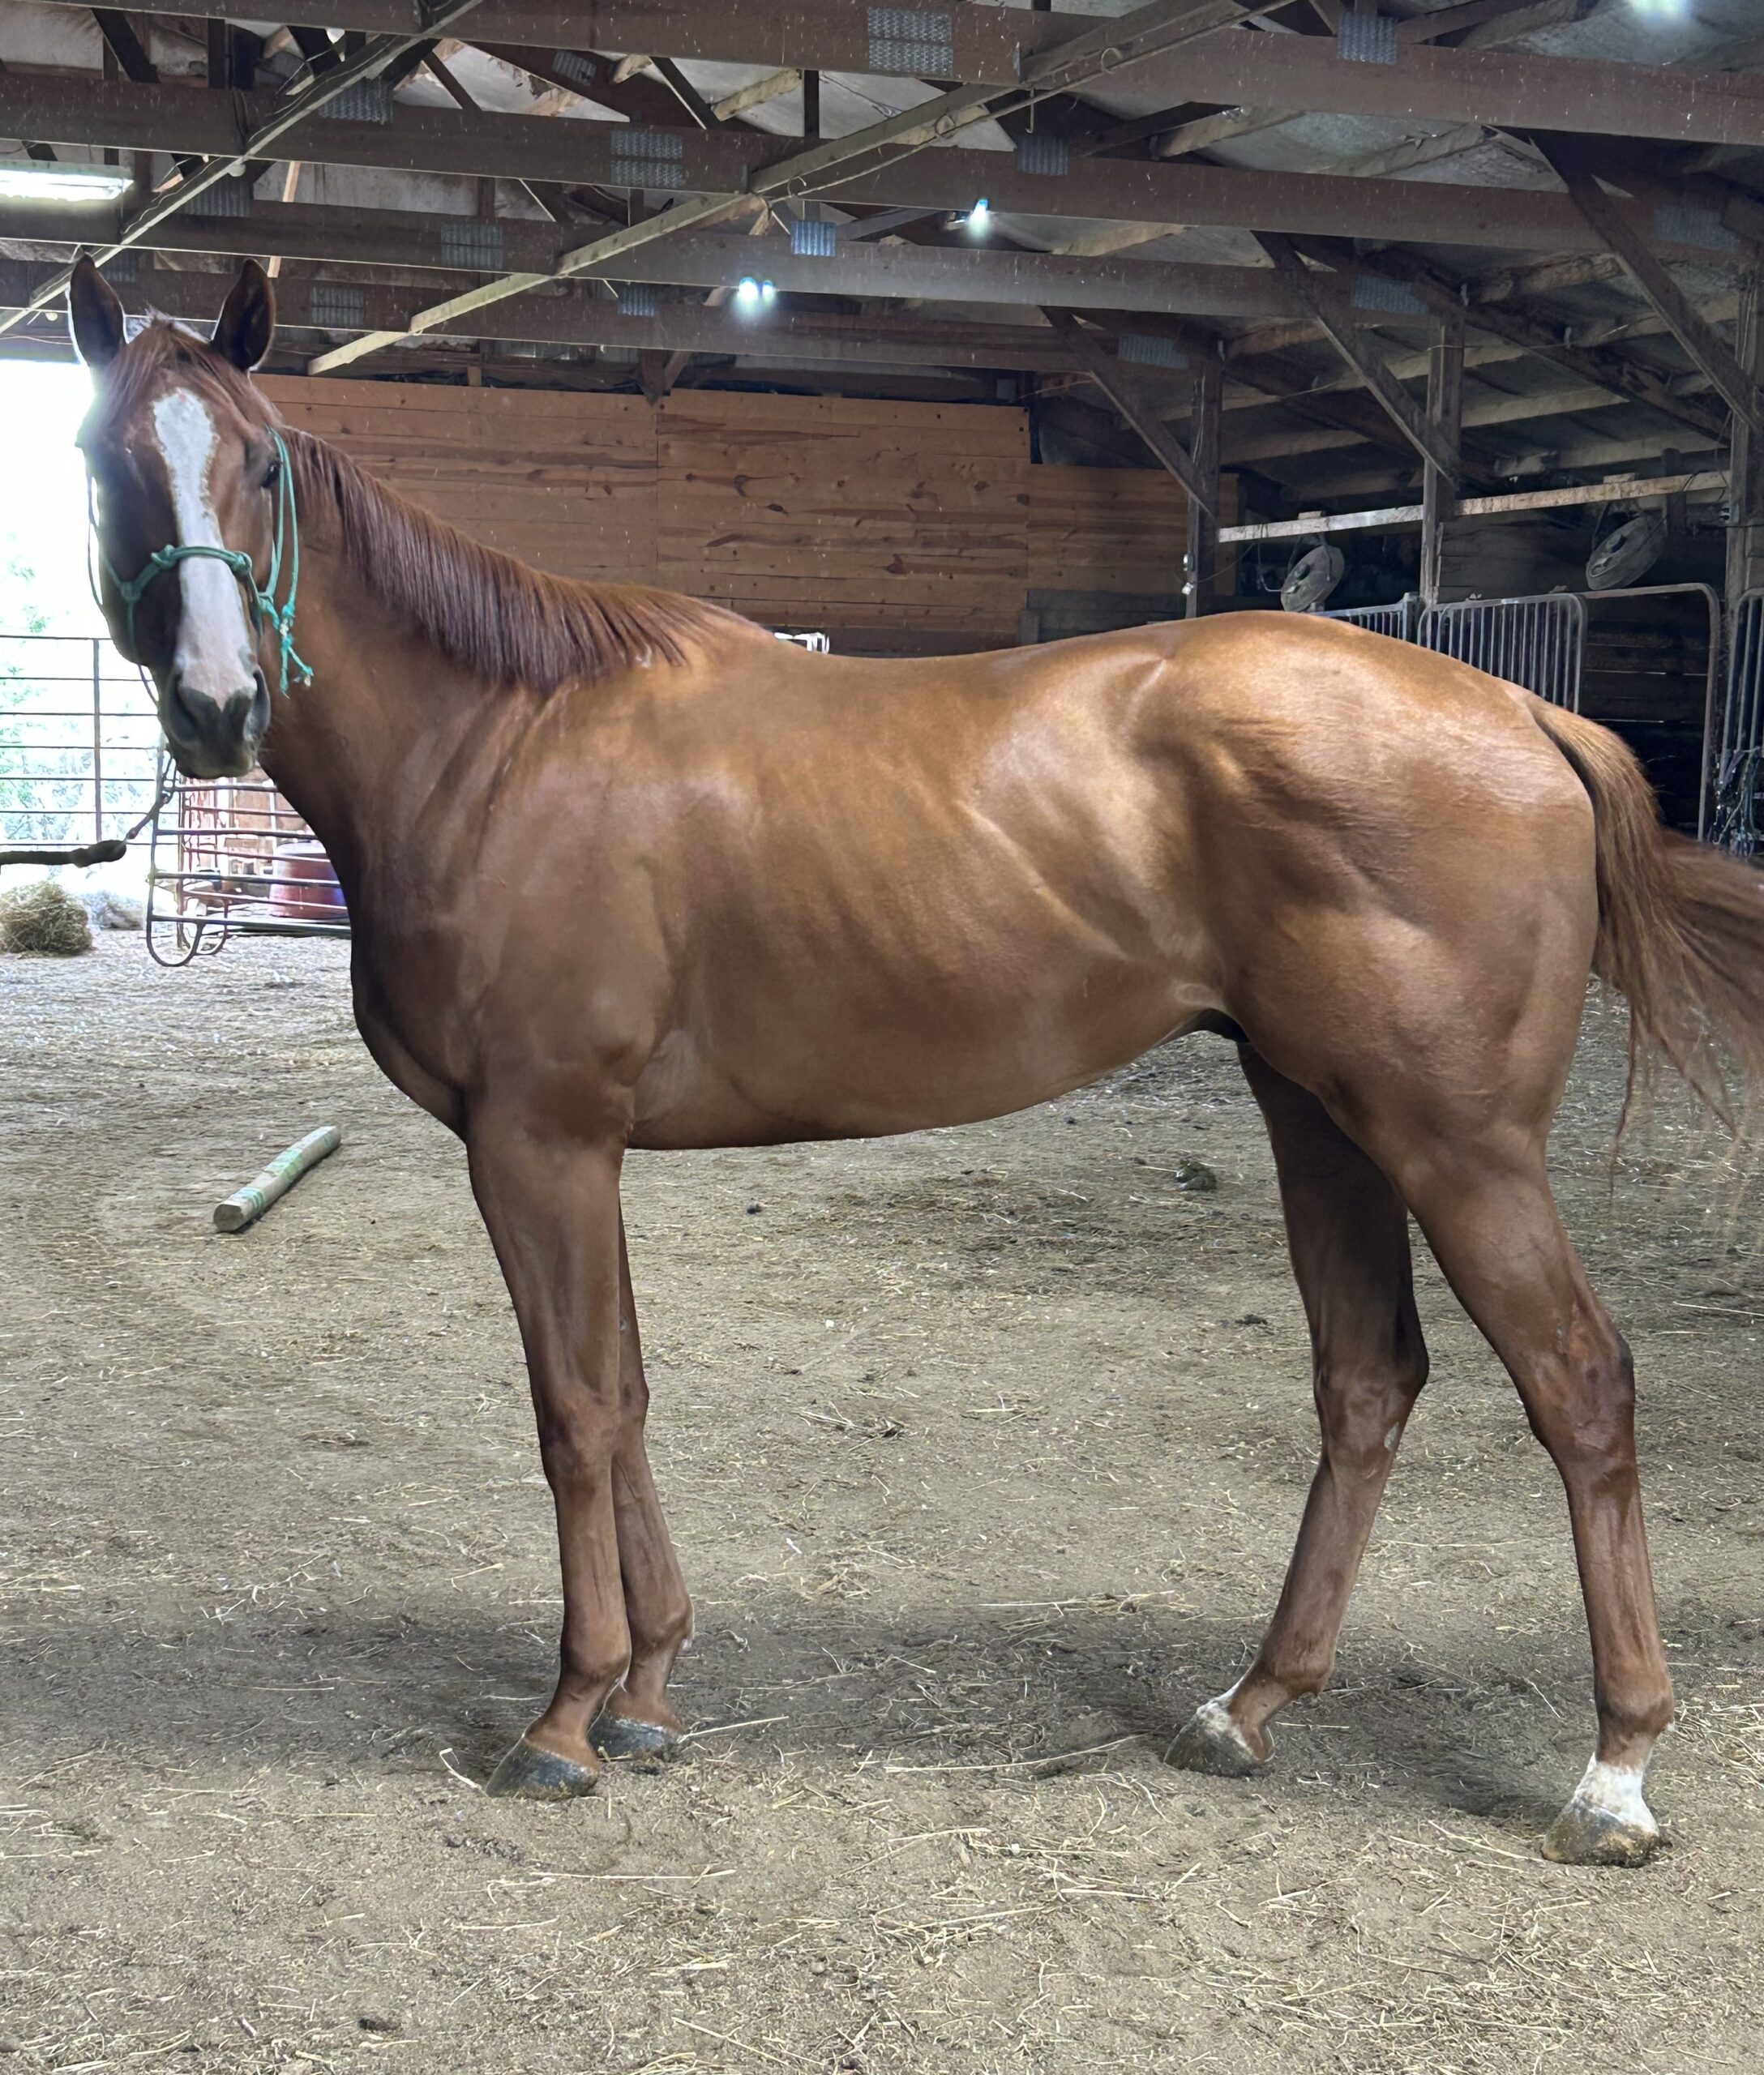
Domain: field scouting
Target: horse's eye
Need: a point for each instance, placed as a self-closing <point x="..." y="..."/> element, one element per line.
<point x="272" y="473"/>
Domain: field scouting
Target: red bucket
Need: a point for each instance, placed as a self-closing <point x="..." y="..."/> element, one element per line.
<point x="303" y="888"/>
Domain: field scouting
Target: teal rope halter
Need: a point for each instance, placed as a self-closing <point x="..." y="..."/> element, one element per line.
<point x="261" y="604"/>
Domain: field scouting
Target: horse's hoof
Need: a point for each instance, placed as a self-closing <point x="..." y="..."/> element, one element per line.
<point x="1213" y="1743"/>
<point x="1608" y="1823"/>
<point x="624" y="1736"/>
<point x="1587" y="1835"/>
<point x="537" y="1775"/>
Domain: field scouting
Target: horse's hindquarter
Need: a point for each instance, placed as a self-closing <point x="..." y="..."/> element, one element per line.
<point x="1398" y="874"/>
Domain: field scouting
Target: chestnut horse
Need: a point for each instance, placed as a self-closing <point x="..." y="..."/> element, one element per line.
<point x="626" y="872"/>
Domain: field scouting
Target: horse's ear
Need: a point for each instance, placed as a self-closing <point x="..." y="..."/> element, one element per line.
<point x="247" y="320"/>
<point x="94" y="315"/>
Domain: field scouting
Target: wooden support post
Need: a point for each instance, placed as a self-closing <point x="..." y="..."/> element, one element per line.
<point x="1445" y="411"/>
<point x="810" y="102"/>
<point x="1745" y="496"/>
<point x="1201" y="566"/>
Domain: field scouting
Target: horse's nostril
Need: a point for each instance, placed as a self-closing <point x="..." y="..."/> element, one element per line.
<point x="182" y="717"/>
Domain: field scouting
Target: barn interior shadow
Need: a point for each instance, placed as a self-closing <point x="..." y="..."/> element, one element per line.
<point x="365" y="1687"/>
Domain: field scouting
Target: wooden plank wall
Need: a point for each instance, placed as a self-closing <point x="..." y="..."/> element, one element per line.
<point x="898" y="527"/>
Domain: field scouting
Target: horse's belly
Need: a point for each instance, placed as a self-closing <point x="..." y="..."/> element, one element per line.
<point x="808" y="1068"/>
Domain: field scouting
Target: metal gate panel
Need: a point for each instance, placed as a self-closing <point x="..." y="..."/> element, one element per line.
<point x="1739" y="778"/>
<point x="1534" y="642"/>
<point x="231" y="857"/>
<point x="1397" y="620"/>
<point x="79" y="741"/>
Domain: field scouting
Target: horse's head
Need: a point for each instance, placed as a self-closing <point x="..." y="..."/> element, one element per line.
<point x="185" y="457"/>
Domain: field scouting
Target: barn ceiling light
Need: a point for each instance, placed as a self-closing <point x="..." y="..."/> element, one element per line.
<point x="750" y="295"/>
<point x="62" y="183"/>
<point x="980" y="215"/>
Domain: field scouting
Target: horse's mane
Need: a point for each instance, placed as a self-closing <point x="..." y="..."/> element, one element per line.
<point x="483" y="609"/>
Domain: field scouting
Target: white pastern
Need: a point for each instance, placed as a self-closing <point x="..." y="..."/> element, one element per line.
<point x="214" y="656"/>
<point x="1615" y="1790"/>
<point x="1217" y="1714"/>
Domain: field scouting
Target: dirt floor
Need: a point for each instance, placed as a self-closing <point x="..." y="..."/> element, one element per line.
<point x="984" y="1451"/>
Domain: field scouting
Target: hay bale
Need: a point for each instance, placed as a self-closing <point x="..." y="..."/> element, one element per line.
<point x="44" y="919"/>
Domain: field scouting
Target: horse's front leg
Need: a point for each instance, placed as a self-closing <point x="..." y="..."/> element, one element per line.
<point x="638" y="1719"/>
<point x="550" y="1202"/>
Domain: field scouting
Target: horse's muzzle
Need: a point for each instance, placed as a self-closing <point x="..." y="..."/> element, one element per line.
<point x="215" y="738"/>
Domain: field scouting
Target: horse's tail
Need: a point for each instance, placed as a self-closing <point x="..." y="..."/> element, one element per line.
<point x="1680" y="926"/>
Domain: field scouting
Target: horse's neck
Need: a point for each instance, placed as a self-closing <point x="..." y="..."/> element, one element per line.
<point x="361" y="751"/>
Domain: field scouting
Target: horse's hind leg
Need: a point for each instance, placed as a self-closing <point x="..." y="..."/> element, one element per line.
<point x="1348" y="1232"/>
<point x="1489" y="1217"/>
<point x="638" y="1717"/>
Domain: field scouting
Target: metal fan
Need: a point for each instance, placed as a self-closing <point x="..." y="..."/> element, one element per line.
<point x="1312" y="578"/>
<point x="1624" y="557"/>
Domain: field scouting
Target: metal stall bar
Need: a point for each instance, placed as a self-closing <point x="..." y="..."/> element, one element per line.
<point x="63" y="766"/>
<point x="1537" y="642"/>
<point x="231" y="858"/>
<point x="1740" y="781"/>
<point x="1398" y="620"/>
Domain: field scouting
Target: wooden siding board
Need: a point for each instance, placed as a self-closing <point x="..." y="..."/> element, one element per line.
<point x="834" y="511"/>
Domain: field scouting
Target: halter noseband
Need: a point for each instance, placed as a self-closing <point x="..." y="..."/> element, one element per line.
<point x="261" y="604"/>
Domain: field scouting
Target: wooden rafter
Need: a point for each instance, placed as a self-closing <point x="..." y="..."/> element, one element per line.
<point x="1700" y="339"/>
<point x="1425" y="436"/>
<point x="129" y="117"/>
<point x="1623" y="378"/>
<point x="1132" y="397"/>
<point x="1678" y="103"/>
<point x="126" y="46"/>
<point x="687" y="95"/>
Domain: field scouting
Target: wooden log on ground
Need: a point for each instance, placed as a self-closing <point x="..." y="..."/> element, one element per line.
<point x="246" y="1206"/>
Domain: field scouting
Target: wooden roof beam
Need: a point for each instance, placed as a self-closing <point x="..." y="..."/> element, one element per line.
<point x="680" y="327"/>
<point x="992" y="45"/>
<point x="1132" y="396"/>
<point x="125" y="116"/>
<point x="1700" y="341"/>
<point x="1422" y="434"/>
<point x="710" y="259"/>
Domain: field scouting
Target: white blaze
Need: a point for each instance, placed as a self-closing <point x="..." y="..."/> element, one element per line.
<point x="214" y="656"/>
